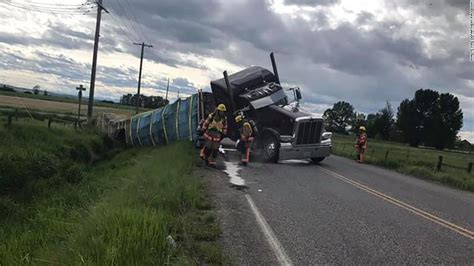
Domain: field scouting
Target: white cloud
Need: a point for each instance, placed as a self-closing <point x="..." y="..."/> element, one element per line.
<point x="467" y="135"/>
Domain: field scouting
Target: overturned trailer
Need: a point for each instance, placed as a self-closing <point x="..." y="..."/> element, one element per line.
<point x="173" y="122"/>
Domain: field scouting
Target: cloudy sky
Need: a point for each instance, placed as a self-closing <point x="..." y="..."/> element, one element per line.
<point x="365" y="52"/>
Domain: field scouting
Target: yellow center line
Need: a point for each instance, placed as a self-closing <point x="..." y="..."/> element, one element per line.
<point x="433" y="218"/>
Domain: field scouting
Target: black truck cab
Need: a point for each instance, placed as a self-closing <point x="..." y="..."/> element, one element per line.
<point x="285" y="132"/>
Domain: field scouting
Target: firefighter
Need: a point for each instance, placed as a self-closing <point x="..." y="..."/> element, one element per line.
<point x="361" y="144"/>
<point x="246" y="138"/>
<point x="214" y="128"/>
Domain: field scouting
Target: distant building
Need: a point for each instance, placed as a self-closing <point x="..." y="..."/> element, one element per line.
<point x="145" y="101"/>
<point x="464" y="145"/>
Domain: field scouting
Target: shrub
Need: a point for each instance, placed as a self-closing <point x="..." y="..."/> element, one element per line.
<point x="72" y="172"/>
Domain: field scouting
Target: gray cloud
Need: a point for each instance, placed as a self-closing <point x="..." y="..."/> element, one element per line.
<point x="387" y="60"/>
<point x="311" y="2"/>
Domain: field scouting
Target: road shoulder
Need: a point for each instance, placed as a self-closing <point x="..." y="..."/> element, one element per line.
<point x="241" y="237"/>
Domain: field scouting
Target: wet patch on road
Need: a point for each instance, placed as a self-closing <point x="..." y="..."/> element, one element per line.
<point x="232" y="170"/>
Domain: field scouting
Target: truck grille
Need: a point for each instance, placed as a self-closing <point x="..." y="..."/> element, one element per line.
<point x="309" y="132"/>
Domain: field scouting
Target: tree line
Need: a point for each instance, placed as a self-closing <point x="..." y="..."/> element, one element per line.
<point x="430" y="119"/>
<point x="144" y="101"/>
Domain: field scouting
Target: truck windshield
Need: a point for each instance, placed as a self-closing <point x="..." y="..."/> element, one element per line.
<point x="278" y="98"/>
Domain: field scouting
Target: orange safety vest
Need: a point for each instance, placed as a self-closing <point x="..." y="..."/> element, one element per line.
<point x="362" y="141"/>
<point x="246" y="132"/>
<point x="215" y="127"/>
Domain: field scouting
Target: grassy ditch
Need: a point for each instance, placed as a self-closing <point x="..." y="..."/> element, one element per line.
<point x="419" y="162"/>
<point x="139" y="207"/>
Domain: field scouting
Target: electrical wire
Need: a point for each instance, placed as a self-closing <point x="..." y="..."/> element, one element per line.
<point x="124" y="32"/>
<point x="128" y="26"/>
<point x="78" y="10"/>
<point x="132" y="20"/>
<point x="136" y="21"/>
<point x="46" y="6"/>
<point x="125" y="13"/>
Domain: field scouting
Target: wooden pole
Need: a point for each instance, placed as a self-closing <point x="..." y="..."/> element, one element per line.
<point x="440" y="162"/>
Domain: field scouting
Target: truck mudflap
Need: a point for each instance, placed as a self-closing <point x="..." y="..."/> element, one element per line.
<point x="289" y="152"/>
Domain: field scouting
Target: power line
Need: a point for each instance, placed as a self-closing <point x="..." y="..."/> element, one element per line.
<point x="50" y="4"/>
<point x="57" y="10"/>
<point x="118" y="23"/>
<point x="128" y="25"/>
<point x="47" y="7"/>
<point x="124" y="12"/>
<point x="135" y="18"/>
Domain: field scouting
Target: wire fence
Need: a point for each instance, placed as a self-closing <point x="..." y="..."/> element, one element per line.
<point x="11" y="117"/>
<point x="399" y="155"/>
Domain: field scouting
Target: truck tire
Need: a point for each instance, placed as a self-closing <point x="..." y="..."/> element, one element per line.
<point x="271" y="148"/>
<point x="317" y="159"/>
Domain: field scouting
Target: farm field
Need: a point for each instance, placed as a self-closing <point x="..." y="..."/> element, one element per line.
<point x="420" y="162"/>
<point x="62" y="107"/>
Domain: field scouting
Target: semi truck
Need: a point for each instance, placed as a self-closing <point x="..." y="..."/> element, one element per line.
<point x="285" y="131"/>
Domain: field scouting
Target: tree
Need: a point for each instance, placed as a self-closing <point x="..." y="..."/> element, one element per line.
<point x="409" y="122"/>
<point x="371" y="127"/>
<point x="430" y="118"/>
<point x="359" y="120"/>
<point x="447" y="121"/>
<point x="426" y="110"/>
<point x="36" y="89"/>
<point x="45" y="93"/>
<point x="339" y="117"/>
<point x="384" y="121"/>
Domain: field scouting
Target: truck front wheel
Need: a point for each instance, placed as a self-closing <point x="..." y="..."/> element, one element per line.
<point x="317" y="159"/>
<point x="271" y="148"/>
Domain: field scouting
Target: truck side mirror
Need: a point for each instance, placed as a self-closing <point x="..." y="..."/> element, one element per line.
<point x="298" y="94"/>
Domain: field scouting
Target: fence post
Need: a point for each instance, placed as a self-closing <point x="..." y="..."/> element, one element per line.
<point x="343" y="146"/>
<point x="386" y="155"/>
<point x="440" y="162"/>
<point x="49" y="122"/>
<point x="469" y="168"/>
<point x="9" y="121"/>
<point x="408" y="153"/>
<point x="372" y="154"/>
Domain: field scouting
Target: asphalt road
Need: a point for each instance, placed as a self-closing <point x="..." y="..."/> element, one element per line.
<point x="341" y="212"/>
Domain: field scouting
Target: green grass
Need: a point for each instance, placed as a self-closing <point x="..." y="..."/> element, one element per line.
<point x="120" y="211"/>
<point x="419" y="162"/>
<point x="30" y="153"/>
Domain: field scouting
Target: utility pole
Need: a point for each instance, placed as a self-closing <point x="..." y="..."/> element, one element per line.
<point x="167" y="88"/>
<point x="140" y="73"/>
<point x="79" y="95"/>
<point x="100" y="7"/>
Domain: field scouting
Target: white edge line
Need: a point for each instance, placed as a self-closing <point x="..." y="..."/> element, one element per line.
<point x="275" y="245"/>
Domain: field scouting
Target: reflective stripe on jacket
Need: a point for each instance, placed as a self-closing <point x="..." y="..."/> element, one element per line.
<point x="214" y="125"/>
<point x="246" y="132"/>
<point x="362" y="140"/>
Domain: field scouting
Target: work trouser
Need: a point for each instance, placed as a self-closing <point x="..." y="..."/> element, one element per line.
<point x="244" y="148"/>
<point x="211" y="148"/>
<point x="360" y="153"/>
